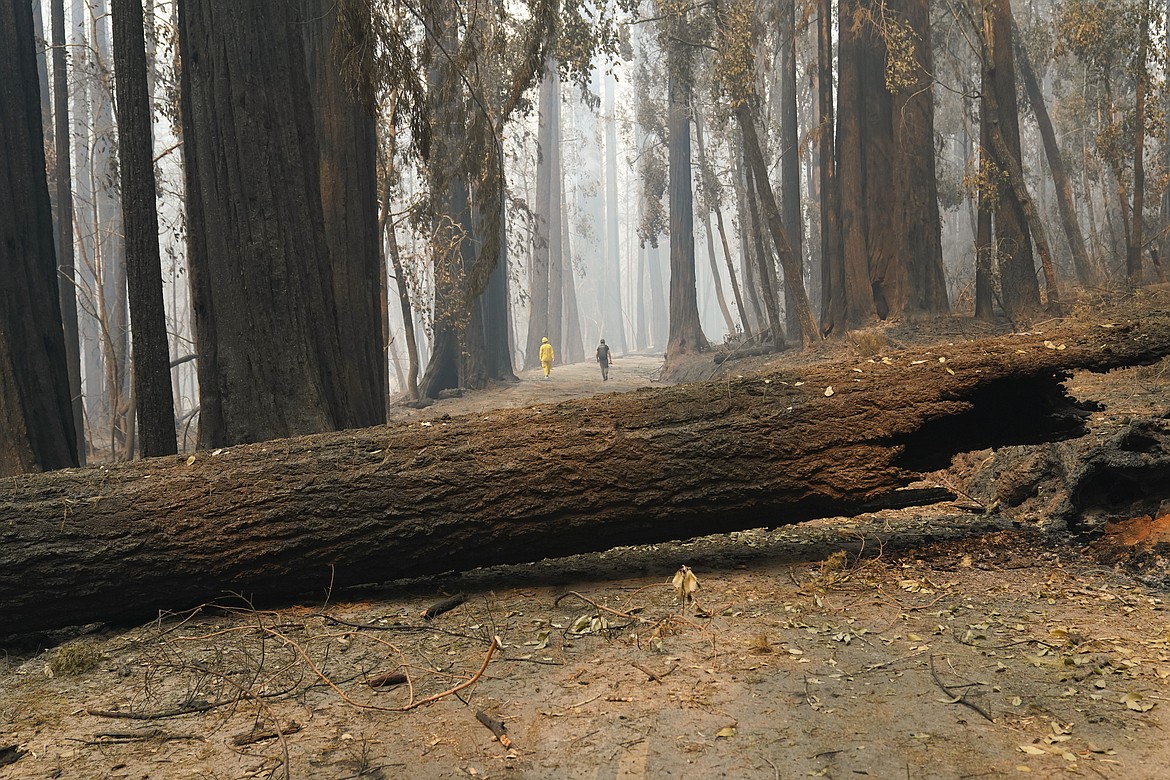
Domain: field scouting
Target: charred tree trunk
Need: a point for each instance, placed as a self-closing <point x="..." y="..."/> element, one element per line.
<point x="287" y="520"/>
<point x="64" y="240"/>
<point x="151" y="353"/>
<point x="261" y="284"/>
<point x="36" y="415"/>
<point x="538" y="272"/>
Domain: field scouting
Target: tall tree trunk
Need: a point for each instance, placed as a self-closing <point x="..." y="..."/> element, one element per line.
<point x="790" y="199"/>
<point x="36" y="414"/>
<point x="686" y="332"/>
<point x="556" y="260"/>
<point x="109" y="235"/>
<point x="1133" y="255"/>
<point x="613" y="323"/>
<point x="1019" y="287"/>
<point x="538" y="272"/>
<point x="65" y="264"/>
<point x="347" y="149"/>
<point x="832" y="259"/>
<point x="151" y="353"/>
<point x="1086" y="272"/>
<point x="259" y="263"/>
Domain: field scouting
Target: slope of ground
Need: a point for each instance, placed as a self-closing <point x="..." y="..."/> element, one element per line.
<point x="956" y="641"/>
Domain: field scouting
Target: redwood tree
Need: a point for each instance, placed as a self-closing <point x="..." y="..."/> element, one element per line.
<point x="269" y="354"/>
<point x="36" y="417"/>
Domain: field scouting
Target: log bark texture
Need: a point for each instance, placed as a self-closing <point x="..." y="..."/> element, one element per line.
<point x="290" y="519"/>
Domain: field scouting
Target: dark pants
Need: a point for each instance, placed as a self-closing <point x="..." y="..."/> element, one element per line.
<point x="604" y="369"/>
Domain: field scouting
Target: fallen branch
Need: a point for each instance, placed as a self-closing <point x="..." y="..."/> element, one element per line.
<point x="656" y="677"/>
<point x="595" y="605"/>
<point x="387" y="680"/>
<point x="495" y="726"/>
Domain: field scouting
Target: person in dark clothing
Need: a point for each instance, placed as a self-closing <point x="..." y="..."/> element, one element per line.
<point x="603" y="359"/>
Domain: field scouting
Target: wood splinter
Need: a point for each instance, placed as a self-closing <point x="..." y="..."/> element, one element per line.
<point x="495" y="726"/>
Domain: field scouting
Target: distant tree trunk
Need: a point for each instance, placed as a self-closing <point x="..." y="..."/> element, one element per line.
<point x="686" y="332"/>
<point x="403" y="289"/>
<point x="65" y="265"/>
<point x="1019" y="287"/>
<point x="709" y="176"/>
<point x="613" y="324"/>
<point x="151" y="353"/>
<point x="985" y="247"/>
<point x="764" y="267"/>
<point x="109" y="237"/>
<point x="495" y="315"/>
<point x="36" y="414"/>
<point x="1086" y="272"/>
<point x="659" y="311"/>
<point x="347" y="149"/>
<point x="750" y="242"/>
<point x="538" y="273"/>
<point x="261" y="284"/>
<point x="832" y="260"/>
<point x="574" y="344"/>
<point x="790" y="156"/>
<point x="556" y="260"/>
<point x="771" y="216"/>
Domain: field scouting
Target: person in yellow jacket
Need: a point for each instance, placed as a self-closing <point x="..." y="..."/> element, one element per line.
<point x="546" y="356"/>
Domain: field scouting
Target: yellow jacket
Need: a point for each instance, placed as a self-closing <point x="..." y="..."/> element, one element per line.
<point x="546" y="353"/>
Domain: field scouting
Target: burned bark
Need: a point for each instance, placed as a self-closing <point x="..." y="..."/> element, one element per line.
<point x="290" y="519"/>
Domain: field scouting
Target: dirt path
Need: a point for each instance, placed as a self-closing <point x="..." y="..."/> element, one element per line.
<point x="571" y="380"/>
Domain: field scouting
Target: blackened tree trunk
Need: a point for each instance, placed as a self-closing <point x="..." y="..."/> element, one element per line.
<point x="686" y="332"/>
<point x="347" y="149"/>
<point x="321" y="512"/>
<point x="714" y="194"/>
<point x="259" y="263"/>
<point x="67" y="305"/>
<point x="36" y="414"/>
<point x="832" y="261"/>
<point x="1019" y="287"/>
<point x="151" y="354"/>
<point x="790" y="156"/>
<point x="763" y="267"/>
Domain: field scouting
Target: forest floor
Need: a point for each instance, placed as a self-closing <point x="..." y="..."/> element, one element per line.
<point x="961" y="640"/>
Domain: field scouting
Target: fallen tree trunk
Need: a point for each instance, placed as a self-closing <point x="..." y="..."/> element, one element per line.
<point x="292" y="518"/>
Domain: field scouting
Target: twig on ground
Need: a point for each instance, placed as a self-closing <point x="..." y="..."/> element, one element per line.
<point x="467" y="683"/>
<point x="962" y="697"/>
<point x="595" y="605"/>
<point x="655" y="676"/>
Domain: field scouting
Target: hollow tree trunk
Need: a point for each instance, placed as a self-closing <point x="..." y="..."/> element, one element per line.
<point x="288" y="519"/>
